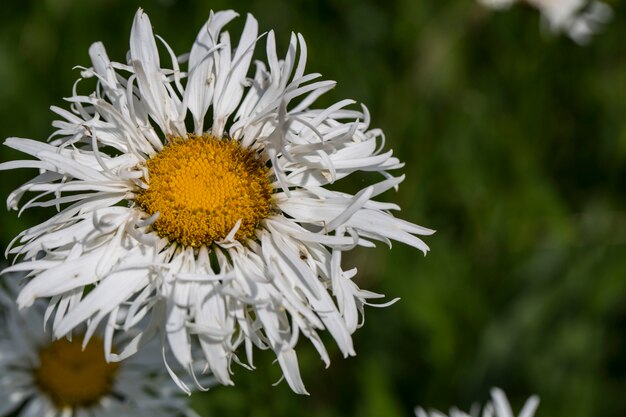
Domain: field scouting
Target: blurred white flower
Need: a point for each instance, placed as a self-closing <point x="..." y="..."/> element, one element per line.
<point x="498" y="4"/>
<point x="42" y="377"/>
<point x="579" y="19"/>
<point x="220" y="237"/>
<point x="498" y="407"/>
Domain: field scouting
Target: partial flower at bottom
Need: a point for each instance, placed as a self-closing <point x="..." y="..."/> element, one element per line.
<point x="498" y="407"/>
<point x="41" y="377"/>
<point x="203" y="200"/>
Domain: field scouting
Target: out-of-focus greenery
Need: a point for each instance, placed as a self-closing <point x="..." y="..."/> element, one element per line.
<point x="515" y="150"/>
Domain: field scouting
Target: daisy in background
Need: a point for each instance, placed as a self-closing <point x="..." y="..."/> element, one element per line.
<point x="579" y="19"/>
<point x="201" y="200"/>
<point x="498" y="407"/>
<point x="41" y="377"/>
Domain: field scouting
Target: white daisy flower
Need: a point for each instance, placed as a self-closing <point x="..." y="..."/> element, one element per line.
<point x="42" y="377"/>
<point x="203" y="199"/>
<point x="498" y="407"/>
<point x="579" y="19"/>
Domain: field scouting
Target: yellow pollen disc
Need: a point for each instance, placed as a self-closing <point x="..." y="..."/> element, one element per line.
<point x="73" y="377"/>
<point x="201" y="186"/>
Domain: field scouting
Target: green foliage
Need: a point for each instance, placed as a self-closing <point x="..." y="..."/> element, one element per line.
<point x="515" y="150"/>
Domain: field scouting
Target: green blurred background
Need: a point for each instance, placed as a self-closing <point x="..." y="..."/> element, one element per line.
<point x="515" y="144"/>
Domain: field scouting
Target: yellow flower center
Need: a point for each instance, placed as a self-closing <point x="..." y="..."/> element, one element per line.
<point x="73" y="377"/>
<point x="201" y="186"/>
